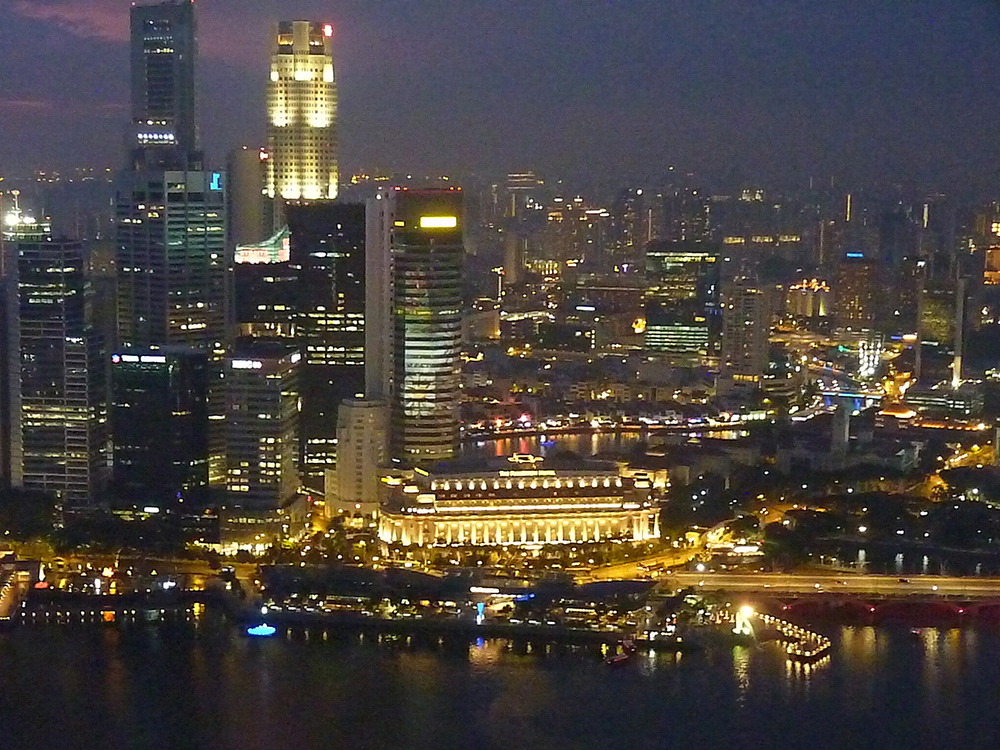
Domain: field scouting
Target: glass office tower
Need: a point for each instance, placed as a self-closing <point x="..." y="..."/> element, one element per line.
<point x="414" y="317"/>
<point x="171" y="260"/>
<point x="59" y="373"/>
<point x="159" y="428"/>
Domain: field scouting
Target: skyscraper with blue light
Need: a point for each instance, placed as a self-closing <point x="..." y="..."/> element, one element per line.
<point x="163" y="45"/>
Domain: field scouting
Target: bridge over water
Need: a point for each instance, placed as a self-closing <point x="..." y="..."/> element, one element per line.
<point x="858" y="598"/>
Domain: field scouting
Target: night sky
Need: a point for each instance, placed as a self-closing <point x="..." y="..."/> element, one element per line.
<point x="872" y="91"/>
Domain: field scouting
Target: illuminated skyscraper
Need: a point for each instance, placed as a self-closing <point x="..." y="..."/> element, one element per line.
<point x="746" y="328"/>
<point x="682" y="302"/>
<point x="302" y="113"/>
<point x="171" y="260"/>
<point x="262" y="425"/>
<point x="58" y="408"/>
<point x="414" y="318"/>
<point x="16" y="227"/>
<point x="163" y="130"/>
<point x="855" y="289"/>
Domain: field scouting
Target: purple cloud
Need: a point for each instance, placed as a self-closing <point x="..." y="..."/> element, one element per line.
<point x="96" y="19"/>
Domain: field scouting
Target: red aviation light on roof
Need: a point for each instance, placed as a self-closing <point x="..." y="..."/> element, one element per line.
<point x="328" y="30"/>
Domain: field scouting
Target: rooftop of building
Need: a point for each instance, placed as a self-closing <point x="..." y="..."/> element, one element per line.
<point x="519" y="464"/>
<point x="246" y="348"/>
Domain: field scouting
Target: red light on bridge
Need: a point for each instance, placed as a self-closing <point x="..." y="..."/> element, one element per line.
<point x="328" y="30"/>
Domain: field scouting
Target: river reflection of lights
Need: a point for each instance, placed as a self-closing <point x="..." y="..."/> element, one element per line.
<point x="485" y="653"/>
<point x="804" y="670"/>
<point x="741" y="671"/>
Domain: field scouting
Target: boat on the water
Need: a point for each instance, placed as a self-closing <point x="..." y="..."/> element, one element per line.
<point x="621" y="657"/>
<point x="624" y="652"/>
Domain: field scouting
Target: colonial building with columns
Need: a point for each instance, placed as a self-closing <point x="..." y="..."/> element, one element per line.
<point x="527" y="502"/>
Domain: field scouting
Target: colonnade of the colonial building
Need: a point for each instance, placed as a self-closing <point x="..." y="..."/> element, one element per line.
<point x="564" y="529"/>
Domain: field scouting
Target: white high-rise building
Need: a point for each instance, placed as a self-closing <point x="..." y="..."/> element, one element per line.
<point x="302" y="113"/>
<point x="362" y="438"/>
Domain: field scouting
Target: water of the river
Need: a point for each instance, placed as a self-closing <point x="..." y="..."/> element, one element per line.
<point x="208" y="686"/>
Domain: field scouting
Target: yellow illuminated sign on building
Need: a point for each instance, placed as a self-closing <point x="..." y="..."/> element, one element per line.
<point x="438" y="222"/>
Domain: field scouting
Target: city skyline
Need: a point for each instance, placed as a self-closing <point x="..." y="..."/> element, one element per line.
<point x="516" y="342"/>
<point x="780" y="92"/>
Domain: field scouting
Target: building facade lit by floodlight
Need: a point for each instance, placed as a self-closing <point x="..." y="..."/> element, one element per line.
<point x="518" y="505"/>
<point x="302" y="113"/>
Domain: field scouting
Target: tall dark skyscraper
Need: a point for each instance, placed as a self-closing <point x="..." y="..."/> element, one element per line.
<point x="327" y="254"/>
<point x="163" y="131"/>
<point x="415" y="264"/>
<point x="306" y="287"/>
<point x="159" y="427"/>
<point x="57" y="430"/>
<point x="172" y="254"/>
<point x="249" y="212"/>
<point x="327" y="242"/>
<point x="170" y="215"/>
